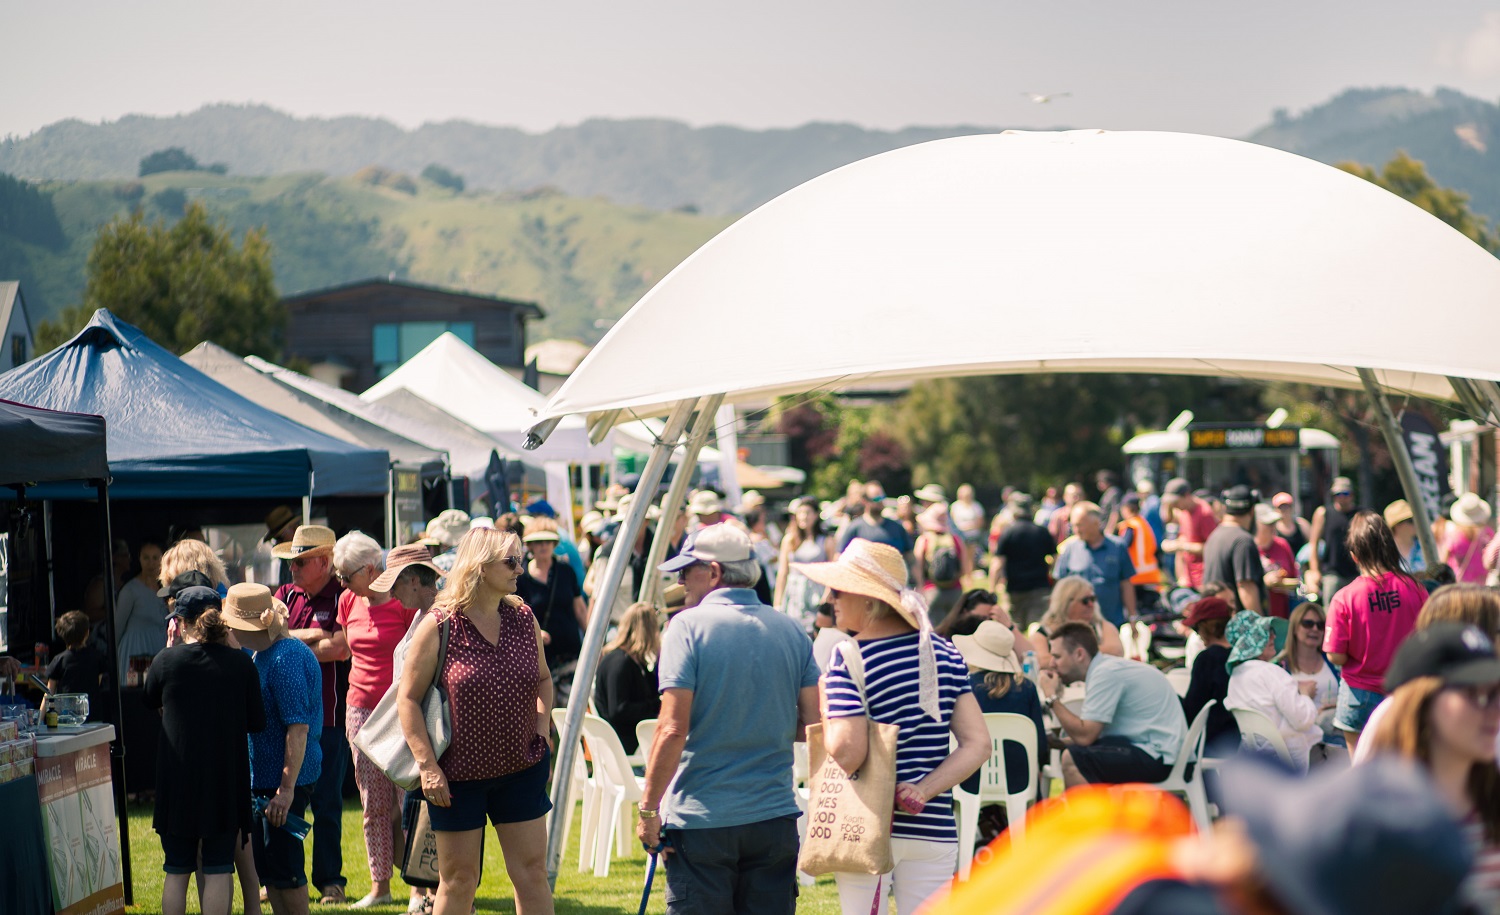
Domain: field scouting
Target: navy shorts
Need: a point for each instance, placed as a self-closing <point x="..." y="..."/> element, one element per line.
<point x="279" y="860"/>
<point x="1116" y="761"/>
<point x="515" y="798"/>
<point x="180" y="853"/>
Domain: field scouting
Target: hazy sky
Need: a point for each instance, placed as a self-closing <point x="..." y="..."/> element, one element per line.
<point x="1198" y="65"/>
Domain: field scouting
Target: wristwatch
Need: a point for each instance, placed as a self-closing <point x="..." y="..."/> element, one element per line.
<point x="1050" y="700"/>
<point x="649" y="813"/>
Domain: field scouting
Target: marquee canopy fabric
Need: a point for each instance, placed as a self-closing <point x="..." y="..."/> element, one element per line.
<point x="175" y="433"/>
<point x="43" y="446"/>
<point x="450" y="373"/>
<point x="268" y="391"/>
<point x="1078" y="251"/>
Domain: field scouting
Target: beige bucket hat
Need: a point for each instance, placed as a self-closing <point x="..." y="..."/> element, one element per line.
<point x="244" y="604"/>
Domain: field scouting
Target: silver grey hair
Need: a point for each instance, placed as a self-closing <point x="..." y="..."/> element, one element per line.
<point x="742" y="573"/>
<point x="355" y="550"/>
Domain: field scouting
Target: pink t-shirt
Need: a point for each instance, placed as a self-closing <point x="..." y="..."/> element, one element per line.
<point x="1466" y="556"/>
<point x="373" y="633"/>
<point x="1195" y="526"/>
<point x="1368" y="620"/>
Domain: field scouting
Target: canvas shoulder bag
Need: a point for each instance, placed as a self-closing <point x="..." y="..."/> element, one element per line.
<point x="383" y="742"/>
<point x="849" y="815"/>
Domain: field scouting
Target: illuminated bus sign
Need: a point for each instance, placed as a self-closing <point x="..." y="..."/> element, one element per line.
<point x="1242" y="438"/>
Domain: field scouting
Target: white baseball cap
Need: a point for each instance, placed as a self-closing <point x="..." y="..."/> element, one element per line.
<point x="715" y="543"/>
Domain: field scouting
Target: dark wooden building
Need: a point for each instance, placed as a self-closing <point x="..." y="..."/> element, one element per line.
<point x="354" y="335"/>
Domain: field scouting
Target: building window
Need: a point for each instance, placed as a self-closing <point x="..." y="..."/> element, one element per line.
<point x="18" y="349"/>
<point x="393" y="344"/>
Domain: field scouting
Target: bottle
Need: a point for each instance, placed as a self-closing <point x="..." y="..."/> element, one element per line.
<point x="1028" y="666"/>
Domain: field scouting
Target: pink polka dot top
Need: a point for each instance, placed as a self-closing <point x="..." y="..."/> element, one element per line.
<point x="492" y="694"/>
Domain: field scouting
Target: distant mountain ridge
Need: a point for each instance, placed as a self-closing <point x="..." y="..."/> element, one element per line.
<point x="659" y="164"/>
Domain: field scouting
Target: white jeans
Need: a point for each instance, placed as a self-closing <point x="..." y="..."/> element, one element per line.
<point x="922" y="868"/>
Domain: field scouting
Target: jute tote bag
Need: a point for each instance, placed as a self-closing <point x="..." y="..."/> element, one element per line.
<point x="849" y="816"/>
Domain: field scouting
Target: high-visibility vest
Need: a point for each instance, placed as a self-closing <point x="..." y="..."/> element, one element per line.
<point x="1142" y="551"/>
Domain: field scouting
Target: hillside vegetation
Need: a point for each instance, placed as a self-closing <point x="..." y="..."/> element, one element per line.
<point x="583" y="260"/>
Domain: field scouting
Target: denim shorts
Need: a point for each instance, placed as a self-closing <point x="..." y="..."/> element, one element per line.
<point x="514" y="798"/>
<point x="1355" y="707"/>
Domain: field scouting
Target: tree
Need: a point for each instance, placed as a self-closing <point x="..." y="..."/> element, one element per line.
<point x="1407" y="178"/>
<point x="442" y="177"/>
<point x="180" y="285"/>
<point x="171" y="159"/>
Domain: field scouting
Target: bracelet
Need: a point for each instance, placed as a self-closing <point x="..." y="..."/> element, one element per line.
<point x="649" y="813"/>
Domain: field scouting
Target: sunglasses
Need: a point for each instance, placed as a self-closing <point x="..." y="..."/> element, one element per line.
<point x="1088" y="601"/>
<point x="1311" y="624"/>
<point x="514" y="563"/>
<point x="299" y="563"/>
<point x="1482" y="699"/>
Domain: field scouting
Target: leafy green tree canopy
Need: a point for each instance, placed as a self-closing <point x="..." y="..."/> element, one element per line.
<point x="1407" y="178"/>
<point x="442" y="177"/>
<point x="177" y="159"/>
<point x="180" y="285"/>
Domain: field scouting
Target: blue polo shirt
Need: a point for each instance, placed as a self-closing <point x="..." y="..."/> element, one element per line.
<point x="1104" y="567"/>
<point x="745" y="664"/>
<point x="291" y="689"/>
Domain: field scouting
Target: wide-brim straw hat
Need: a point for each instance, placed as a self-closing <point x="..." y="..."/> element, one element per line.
<point x="400" y="558"/>
<point x="448" y="528"/>
<point x="932" y="492"/>
<point x="991" y="647"/>
<point x="857" y="571"/>
<point x="309" y="540"/>
<point x="1397" y="512"/>
<point x="1470" y="510"/>
<point x="244" y="604"/>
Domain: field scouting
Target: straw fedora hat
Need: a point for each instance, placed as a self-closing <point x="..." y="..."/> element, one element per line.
<point x="932" y="492"/>
<point x="279" y="518"/>
<point x="868" y="569"/>
<point x="244" y="604"/>
<point x="991" y="647"/>
<point x="1470" y="510"/>
<point x="309" y="540"/>
<point x="399" y="558"/>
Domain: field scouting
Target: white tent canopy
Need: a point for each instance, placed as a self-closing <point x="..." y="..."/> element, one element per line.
<point x="458" y="378"/>
<point x="1056" y="252"/>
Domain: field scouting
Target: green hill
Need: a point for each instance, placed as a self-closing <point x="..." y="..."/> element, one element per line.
<point x="583" y="259"/>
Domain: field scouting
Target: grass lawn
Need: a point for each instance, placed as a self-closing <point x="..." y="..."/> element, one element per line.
<point x="579" y="893"/>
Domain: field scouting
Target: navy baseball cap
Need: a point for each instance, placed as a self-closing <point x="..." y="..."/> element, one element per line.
<point x="192" y="602"/>
<point x="192" y="578"/>
<point x="1457" y="654"/>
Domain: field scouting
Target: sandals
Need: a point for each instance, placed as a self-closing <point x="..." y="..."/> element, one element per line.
<point x="333" y="894"/>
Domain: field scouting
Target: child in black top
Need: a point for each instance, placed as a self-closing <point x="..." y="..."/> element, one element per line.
<point x="80" y="669"/>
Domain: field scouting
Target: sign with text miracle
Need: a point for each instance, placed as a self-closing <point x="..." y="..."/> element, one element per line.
<point x="1242" y="438"/>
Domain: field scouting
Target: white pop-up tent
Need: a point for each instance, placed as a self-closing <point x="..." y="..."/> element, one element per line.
<point x="461" y="380"/>
<point x="1083" y="251"/>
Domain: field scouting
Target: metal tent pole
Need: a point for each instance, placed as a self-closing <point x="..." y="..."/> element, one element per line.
<point x="593" y="638"/>
<point x="676" y="494"/>
<point x="1396" y="442"/>
<point x="117" y="747"/>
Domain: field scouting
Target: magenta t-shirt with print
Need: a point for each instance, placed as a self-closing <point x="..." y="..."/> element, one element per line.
<point x="1368" y="620"/>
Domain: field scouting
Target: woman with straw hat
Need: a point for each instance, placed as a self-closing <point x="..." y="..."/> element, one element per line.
<point x="917" y="681"/>
<point x="995" y="676"/>
<point x="1465" y="541"/>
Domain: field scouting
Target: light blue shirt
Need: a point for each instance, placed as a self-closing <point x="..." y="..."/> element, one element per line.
<point x="1134" y="701"/>
<point x="745" y="664"/>
<point x="1104" y="567"/>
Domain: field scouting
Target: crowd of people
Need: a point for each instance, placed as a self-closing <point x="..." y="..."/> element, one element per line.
<point x="1332" y="630"/>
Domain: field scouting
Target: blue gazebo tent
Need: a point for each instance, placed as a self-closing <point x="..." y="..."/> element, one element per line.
<point x="175" y="433"/>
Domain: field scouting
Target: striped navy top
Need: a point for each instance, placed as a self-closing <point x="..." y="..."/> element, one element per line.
<point x="891" y="675"/>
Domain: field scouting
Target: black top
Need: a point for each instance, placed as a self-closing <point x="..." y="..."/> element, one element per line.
<point x="1210" y="680"/>
<point x="1296" y="539"/>
<point x="1335" y="532"/>
<point x="552" y="603"/>
<point x="1021" y="700"/>
<point x="210" y="699"/>
<point x="1230" y="556"/>
<point x="78" y="670"/>
<point x="1025" y="547"/>
<point x="625" y="694"/>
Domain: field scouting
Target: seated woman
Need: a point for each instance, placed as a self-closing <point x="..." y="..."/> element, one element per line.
<point x="1210" y="677"/>
<point x="625" y="691"/>
<point x="1304" y="659"/>
<point x="1258" y="685"/>
<point x="995" y="677"/>
<point x="1074" y="601"/>
<point x="976" y="606"/>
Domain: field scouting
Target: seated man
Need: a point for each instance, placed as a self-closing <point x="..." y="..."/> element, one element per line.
<point x="1132" y="723"/>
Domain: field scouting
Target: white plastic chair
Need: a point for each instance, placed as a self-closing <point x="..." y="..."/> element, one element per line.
<point x="618" y="788"/>
<point x="645" y="733"/>
<point x="1180" y="677"/>
<point x="584" y="790"/>
<point x="1254" y="727"/>
<point x="1178" y="781"/>
<point x="993" y="788"/>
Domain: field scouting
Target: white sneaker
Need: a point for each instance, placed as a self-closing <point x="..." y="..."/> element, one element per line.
<point x="371" y="900"/>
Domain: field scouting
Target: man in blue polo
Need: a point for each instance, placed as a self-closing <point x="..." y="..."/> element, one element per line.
<point x="738" y="684"/>
<point x="1100" y="559"/>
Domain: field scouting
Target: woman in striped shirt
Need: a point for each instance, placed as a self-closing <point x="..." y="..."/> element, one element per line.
<point x="917" y="681"/>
